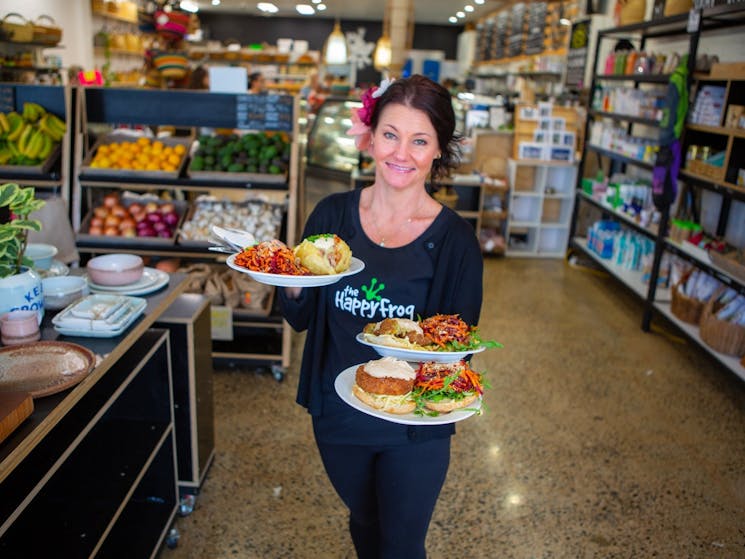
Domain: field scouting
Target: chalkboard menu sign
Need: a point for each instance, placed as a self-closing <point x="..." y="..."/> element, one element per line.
<point x="7" y="99"/>
<point x="264" y="112"/>
<point x="515" y="42"/>
<point x="501" y="31"/>
<point x="536" y="27"/>
<point x="577" y="56"/>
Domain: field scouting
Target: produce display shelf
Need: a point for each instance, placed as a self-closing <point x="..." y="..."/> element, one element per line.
<point x="114" y="181"/>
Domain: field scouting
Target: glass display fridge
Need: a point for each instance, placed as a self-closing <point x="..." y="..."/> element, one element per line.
<point x="331" y="153"/>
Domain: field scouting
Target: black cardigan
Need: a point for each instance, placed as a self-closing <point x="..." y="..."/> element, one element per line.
<point x="456" y="287"/>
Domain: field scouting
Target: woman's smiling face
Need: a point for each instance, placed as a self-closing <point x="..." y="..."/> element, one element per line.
<point x="404" y="146"/>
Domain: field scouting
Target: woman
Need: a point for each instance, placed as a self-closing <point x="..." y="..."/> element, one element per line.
<point x="420" y="259"/>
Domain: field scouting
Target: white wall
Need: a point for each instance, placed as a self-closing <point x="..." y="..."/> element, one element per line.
<point x="73" y="16"/>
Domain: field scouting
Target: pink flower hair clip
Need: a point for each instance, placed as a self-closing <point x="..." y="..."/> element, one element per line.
<point x="362" y="117"/>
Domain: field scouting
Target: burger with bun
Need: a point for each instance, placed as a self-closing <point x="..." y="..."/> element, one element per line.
<point x="386" y="384"/>
<point x="324" y="254"/>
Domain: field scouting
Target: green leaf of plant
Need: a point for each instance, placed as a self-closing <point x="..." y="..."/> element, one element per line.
<point x="7" y="193"/>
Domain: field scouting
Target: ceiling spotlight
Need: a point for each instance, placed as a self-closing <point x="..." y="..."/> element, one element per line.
<point x="215" y="2"/>
<point x="479" y="2"/>
<point x="321" y="7"/>
<point x="565" y="21"/>
<point x="453" y="19"/>
<point x="460" y="14"/>
<point x="317" y="1"/>
<point x="305" y="9"/>
<point x="267" y="7"/>
<point x="468" y="8"/>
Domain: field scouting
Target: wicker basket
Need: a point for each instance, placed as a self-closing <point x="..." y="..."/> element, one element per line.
<point x="721" y="335"/>
<point x="46" y="31"/>
<point x="685" y="308"/>
<point x="674" y="7"/>
<point x="19" y="31"/>
<point x="631" y="11"/>
<point x="729" y="262"/>
<point x="171" y="65"/>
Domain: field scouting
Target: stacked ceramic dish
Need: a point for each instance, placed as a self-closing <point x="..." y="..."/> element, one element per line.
<point x="99" y="316"/>
<point x="123" y="274"/>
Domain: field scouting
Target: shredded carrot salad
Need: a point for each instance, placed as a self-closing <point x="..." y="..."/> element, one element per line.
<point x="460" y="377"/>
<point x="446" y="328"/>
<point x="271" y="257"/>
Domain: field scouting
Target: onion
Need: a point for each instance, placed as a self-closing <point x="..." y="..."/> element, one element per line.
<point x="165" y="233"/>
<point x="112" y="221"/>
<point x="100" y="211"/>
<point x="111" y="200"/>
<point x="111" y="231"/>
<point x="146" y="232"/>
<point x="171" y="218"/>
<point x="160" y="226"/>
<point x="154" y="217"/>
<point x="167" y="207"/>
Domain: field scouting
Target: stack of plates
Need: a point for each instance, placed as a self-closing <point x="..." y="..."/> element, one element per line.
<point x="99" y="316"/>
<point x="151" y="280"/>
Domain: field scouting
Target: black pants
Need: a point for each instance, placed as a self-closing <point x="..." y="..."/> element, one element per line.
<point x="391" y="493"/>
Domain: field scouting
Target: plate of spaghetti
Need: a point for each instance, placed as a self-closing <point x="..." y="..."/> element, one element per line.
<point x="273" y="263"/>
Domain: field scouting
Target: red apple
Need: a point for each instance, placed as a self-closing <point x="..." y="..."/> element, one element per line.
<point x="151" y="207"/>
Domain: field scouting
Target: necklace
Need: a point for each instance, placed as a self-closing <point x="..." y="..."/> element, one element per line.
<point x="393" y="233"/>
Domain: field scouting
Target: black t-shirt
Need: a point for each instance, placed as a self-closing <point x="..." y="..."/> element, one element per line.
<point x="394" y="284"/>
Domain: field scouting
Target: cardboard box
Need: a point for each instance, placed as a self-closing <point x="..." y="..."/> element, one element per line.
<point x="734" y="112"/>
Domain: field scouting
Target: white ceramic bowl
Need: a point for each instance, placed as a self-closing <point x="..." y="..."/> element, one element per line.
<point x="42" y="254"/>
<point x="115" y="269"/>
<point x="63" y="290"/>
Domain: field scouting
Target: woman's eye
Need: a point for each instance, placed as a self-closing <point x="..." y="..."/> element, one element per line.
<point x="420" y="142"/>
<point x="389" y="135"/>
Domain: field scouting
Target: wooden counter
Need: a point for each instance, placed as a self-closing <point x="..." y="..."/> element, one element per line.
<point x="93" y="468"/>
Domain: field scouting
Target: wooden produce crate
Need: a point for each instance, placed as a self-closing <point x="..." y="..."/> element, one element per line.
<point x="705" y="170"/>
<point x="131" y="175"/>
<point x="133" y="242"/>
<point x="34" y="170"/>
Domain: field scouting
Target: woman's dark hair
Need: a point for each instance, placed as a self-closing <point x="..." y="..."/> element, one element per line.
<point x="197" y="77"/>
<point x="252" y="78"/>
<point x="421" y="93"/>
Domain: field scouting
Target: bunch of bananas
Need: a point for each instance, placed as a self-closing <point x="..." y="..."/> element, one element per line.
<point x="29" y="138"/>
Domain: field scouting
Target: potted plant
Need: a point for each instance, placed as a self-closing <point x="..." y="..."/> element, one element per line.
<point x="20" y="285"/>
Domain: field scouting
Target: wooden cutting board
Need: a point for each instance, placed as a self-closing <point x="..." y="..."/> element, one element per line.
<point x="14" y="408"/>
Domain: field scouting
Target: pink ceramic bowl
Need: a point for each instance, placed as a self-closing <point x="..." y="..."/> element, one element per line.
<point x="115" y="269"/>
<point x="19" y="327"/>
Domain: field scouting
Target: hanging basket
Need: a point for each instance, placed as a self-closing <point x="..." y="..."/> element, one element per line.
<point x="171" y="65"/>
<point x="46" y="31"/>
<point x="19" y="31"/>
<point x="171" y="26"/>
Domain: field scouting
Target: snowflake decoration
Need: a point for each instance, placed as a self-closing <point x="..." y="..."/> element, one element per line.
<point x="360" y="51"/>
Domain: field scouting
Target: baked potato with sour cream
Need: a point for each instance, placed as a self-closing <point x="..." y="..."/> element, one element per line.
<point x="324" y="254"/>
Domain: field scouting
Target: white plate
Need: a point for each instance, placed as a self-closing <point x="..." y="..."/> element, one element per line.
<point x="283" y="280"/>
<point x="343" y="386"/>
<point x="417" y="355"/>
<point x="155" y="280"/>
<point x="148" y="277"/>
<point x="66" y="323"/>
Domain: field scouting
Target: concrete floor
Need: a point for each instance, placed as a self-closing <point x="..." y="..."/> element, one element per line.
<point x="600" y="441"/>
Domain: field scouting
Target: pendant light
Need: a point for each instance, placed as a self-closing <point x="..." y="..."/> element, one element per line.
<point x="335" y="49"/>
<point x="383" y="51"/>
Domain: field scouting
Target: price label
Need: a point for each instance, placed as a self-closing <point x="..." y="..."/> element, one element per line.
<point x="7" y="99"/>
<point x="222" y="323"/>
